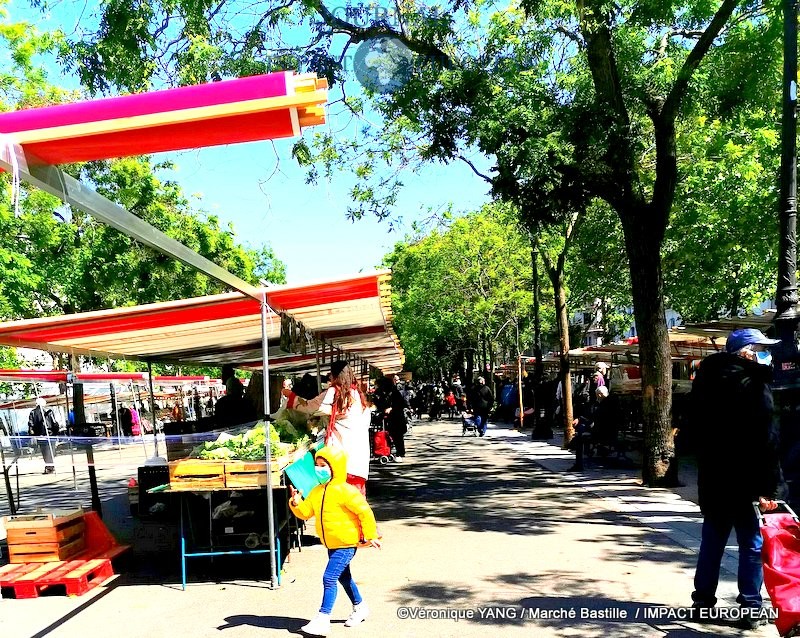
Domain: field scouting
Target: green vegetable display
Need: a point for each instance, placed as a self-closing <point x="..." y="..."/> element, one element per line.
<point x="251" y="444"/>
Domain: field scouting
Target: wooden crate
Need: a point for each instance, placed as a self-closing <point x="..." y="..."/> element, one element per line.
<point x="188" y="474"/>
<point x="45" y="552"/>
<point x="250" y="474"/>
<point x="37" y="538"/>
<point x="178" y="449"/>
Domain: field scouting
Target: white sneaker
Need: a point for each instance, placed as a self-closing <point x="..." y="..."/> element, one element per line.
<point x="359" y="615"/>
<point x="320" y="625"/>
<point x="398" y="459"/>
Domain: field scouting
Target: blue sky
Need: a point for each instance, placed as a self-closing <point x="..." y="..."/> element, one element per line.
<point x="306" y="225"/>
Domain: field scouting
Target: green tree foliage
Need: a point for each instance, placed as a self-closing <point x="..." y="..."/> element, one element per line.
<point x="597" y="269"/>
<point x="568" y="101"/>
<point x="720" y="252"/>
<point x="460" y="286"/>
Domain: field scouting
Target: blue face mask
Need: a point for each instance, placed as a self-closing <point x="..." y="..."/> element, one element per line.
<point x="764" y="358"/>
<point x="323" y="474"/>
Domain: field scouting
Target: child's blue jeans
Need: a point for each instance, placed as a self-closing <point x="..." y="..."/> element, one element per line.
<point x="338" y="571"/>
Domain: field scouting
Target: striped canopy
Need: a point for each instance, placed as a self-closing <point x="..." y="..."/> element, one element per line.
<point x="260" y="107"/>
<point x="352" y="316"/>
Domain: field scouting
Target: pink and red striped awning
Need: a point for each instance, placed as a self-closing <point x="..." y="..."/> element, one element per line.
<point x="260" y="107"/>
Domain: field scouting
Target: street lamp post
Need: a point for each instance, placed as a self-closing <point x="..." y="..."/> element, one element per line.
<point x="786" y="302"/>
<point x="787" y="388"/>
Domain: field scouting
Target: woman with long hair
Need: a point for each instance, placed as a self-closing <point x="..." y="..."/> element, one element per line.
<point x="349" y="416"/>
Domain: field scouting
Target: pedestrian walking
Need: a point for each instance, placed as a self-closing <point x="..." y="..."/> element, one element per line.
<point x="42" y="424"/>
<point x="344" y="521"/>
<point x="481" y="401"/>
<point x="389" y="402"/>
<point x="737" y="435"/>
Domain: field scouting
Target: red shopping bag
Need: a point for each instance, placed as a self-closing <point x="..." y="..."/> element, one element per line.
<point x="780" y="555"/>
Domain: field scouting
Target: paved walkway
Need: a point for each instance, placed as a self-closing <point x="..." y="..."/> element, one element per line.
<point x="475" y="530"/>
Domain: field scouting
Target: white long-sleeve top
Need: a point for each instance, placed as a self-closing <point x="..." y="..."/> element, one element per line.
<point x="352" y="428"/>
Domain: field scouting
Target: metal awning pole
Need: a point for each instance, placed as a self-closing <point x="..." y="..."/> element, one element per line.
<point x="152" y="406"/>
<point x="519" y="388"/>
<point x="137" y="403"/>
<point x="115" y="417"/>
<point x="273" y="563"/>
<point x="69" y="436"/>
<point x="19" y="443"/>
<point x="316" y="357"/>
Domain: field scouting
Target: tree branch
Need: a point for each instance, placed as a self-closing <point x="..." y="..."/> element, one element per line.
<point x="475" y="170"/>
<point x="601" y="59"/>
<point x="359" y="34"/>
<point x="673" y="102"/>
<point x="572" y="35"/>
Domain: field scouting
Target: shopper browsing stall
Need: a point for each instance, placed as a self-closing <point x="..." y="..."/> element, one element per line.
<point x="348" y="428"/>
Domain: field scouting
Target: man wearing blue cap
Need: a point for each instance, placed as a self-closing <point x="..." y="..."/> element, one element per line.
<point x="737" y="462"/>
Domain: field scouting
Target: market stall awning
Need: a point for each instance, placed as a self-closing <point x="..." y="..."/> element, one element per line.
<point x="260" y="107"/>
<point x="682" y="345"/>
<point x="718" y="330"/>
<point x="353" y="315"/>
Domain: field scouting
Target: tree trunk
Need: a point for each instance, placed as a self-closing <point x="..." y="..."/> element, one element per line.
<point x="538" y="375"/>
<point x="643" y="248"/>
<point x="560" y="298"/>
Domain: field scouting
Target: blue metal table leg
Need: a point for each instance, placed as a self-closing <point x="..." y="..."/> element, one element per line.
<point x="278" y="558"/>
<point x="183" y="552"/>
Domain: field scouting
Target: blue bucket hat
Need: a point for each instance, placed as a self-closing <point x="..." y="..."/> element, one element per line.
<point x="738" y="339"/>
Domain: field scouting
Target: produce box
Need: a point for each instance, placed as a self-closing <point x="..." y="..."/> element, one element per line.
<point x="36" y="538"/>
<point x="253" y="473"/>
<point x="189" y="474"/>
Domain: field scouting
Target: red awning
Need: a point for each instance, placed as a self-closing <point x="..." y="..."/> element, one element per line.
<point x="34" y="376"/>
<point x="352" y="314"/>
<point x="261" y="107"/>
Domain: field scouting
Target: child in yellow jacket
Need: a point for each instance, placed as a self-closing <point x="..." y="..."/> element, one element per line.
<point x="344" y="521"/>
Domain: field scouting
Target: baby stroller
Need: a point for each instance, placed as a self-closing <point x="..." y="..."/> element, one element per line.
<point x="781" y="557"/>
<point x="380" y="442"/>
<point x="468" y="424"/>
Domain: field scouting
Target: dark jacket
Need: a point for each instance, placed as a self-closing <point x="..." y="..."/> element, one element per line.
<point x="732" y="414"/>
<point x="42" y="422"/>
<point x="481" y="398"/>
<point x="388" y="396"/>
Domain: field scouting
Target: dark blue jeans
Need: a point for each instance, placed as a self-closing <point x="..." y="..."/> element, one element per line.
<point x="716" y="530"/>
<point x="481" y="420"/>
<point x="338" y="571"/>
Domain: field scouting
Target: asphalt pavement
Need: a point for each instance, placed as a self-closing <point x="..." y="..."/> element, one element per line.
<point x="482" y="536"/>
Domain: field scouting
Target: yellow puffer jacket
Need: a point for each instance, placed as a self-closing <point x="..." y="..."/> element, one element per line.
<point x="343" y="516"/>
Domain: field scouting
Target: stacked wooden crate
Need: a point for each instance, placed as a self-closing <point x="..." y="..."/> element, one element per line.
<point x="198" y="474"/>
<point x="39" y="538"/>
<point x="189" y="474"/>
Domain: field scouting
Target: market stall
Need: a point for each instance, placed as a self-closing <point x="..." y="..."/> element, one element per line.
<point x="275" y="105"/>
<point x="346" y="318"/>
